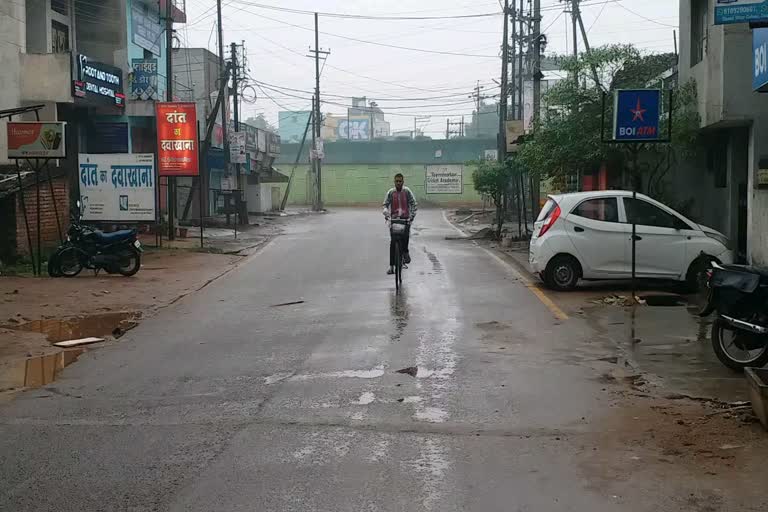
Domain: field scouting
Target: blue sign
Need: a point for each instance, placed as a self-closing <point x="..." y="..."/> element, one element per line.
<point x="760" y="59"/>
<point x="740" y="11"/>
<point x="144" y="79"/>
<point x="636" y="115"/>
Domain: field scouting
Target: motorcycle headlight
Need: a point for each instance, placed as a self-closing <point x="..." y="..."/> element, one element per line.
<point x="720" y="238"/>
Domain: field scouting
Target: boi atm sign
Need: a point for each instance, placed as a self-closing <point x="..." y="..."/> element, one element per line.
<point x="636" y="114"/>
<point x="760" y="57"/>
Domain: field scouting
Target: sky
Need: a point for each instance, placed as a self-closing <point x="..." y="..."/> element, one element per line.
<point x="434" y="77"/>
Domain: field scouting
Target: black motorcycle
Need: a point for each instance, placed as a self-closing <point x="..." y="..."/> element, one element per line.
<point x="86" y="247"/>
<point x="739" y="295"/>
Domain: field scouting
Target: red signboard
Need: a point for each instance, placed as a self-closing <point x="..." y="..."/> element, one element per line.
<point x="177" y="139"/>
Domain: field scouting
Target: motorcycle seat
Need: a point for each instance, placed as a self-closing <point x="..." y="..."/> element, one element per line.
<point x="760" y="271"/>
<point x="116" y="236"/>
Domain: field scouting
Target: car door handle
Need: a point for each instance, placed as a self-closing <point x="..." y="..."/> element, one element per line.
<point x="637" y="238"/>
<point x="578" y="229"/>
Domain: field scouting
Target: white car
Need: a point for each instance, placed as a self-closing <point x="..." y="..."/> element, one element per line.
<point x="588" y="235"/>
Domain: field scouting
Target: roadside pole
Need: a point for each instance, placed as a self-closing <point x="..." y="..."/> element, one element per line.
<point x="241" y="214"/>
<point x="537" y="76"/>
<point x="171" y="180"/>
<point x="502" y="139"/>
<point x="224" y="102"/>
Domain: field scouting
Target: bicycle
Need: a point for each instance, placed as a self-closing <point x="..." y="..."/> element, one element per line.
<point x="397" y="230"/>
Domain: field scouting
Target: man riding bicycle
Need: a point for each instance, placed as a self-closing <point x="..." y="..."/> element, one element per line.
<point x="400" y="203"/>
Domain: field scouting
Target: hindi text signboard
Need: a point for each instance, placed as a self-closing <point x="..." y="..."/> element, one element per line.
<point x="444" y="179"/>
<point x="117" y="187"/>
<point x="144" y="80"/>
<point x="177" y="139"/>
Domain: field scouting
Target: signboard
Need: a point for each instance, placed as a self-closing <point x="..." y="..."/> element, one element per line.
<point x="636" y="114"/>
<point x="96" y="82"/>
<point x="117" y="187"/>
<point x="354" y="129"/>
<point x="491" y="154"/>
<point x="228" y="183"/>
<point x="36" y="140"/>
<point x="760" y="59"/>
<point x="146" y="30"/>
<point x="237" y="153"/>
<point x="740" y="11"/>
<point x="176" y="139"/>
<point x="444" y="179"/>
<point x="144" y="81"/>
<point x="515" y="130"/>
<point x="274" y="143"/>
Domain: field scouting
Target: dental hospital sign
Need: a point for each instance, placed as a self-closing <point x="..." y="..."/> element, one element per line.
<point x="636" y="115"/>
<point x="96" y="82"/>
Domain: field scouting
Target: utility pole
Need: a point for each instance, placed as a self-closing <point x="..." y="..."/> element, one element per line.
<point x="521" y="39"/>
<point x="317" y="114"/>
<point x="574" y="22"/>
<point x="478" y="98"/>
<point x="586" y="44"/>
<point x="242" y="216"/>
<point x="318" y="118"/>
<point x="502" y="137"/>
<point x="171" y="180"/>
<point x="313" y="152"/>
<point x="513" y="59"/>
<point x="537" y="75"/>
<point x="224" y="77"/>
<point x="536" y="58"/>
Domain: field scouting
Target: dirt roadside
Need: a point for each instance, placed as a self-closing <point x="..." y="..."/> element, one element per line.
<point x="37" y="312"/>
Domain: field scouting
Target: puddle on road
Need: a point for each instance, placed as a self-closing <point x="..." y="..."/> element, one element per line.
<point x="672" y="343"/>
<point x="398" y="307"/>
<point x="62" y="329"/>
<point x="35" y="372"/>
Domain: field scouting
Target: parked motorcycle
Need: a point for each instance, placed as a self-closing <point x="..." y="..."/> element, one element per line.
<point x="739" y="296"/>
<point x="86" y="247"/>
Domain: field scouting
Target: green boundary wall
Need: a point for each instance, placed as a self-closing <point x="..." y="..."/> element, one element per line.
<point x="360" y="173"/>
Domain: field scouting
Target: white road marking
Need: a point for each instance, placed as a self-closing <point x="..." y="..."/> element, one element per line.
<point x="365" y="399"/>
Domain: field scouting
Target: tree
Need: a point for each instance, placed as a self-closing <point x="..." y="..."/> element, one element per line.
<point x="567" y="138"/>
<point x="492" y="178"/>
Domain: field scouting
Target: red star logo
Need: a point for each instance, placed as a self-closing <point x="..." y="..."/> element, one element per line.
<point x="638" y="112"/>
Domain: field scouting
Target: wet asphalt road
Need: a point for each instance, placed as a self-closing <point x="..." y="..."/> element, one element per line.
<point x="225" y="403"/>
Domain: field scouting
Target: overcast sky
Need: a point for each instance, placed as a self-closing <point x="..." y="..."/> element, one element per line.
<point x="403" y="82"/>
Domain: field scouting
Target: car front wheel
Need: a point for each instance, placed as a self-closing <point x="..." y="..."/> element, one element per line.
<point x="562" y="273"/>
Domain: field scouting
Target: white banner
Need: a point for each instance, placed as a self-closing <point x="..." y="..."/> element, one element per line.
<point x="118" y="187"/>
<point x="444" y="179"/>
<point x="237" y="153"/>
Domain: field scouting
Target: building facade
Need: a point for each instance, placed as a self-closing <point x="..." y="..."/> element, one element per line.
<point x="723" y="185"/>
<point x="98" y="66"/>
